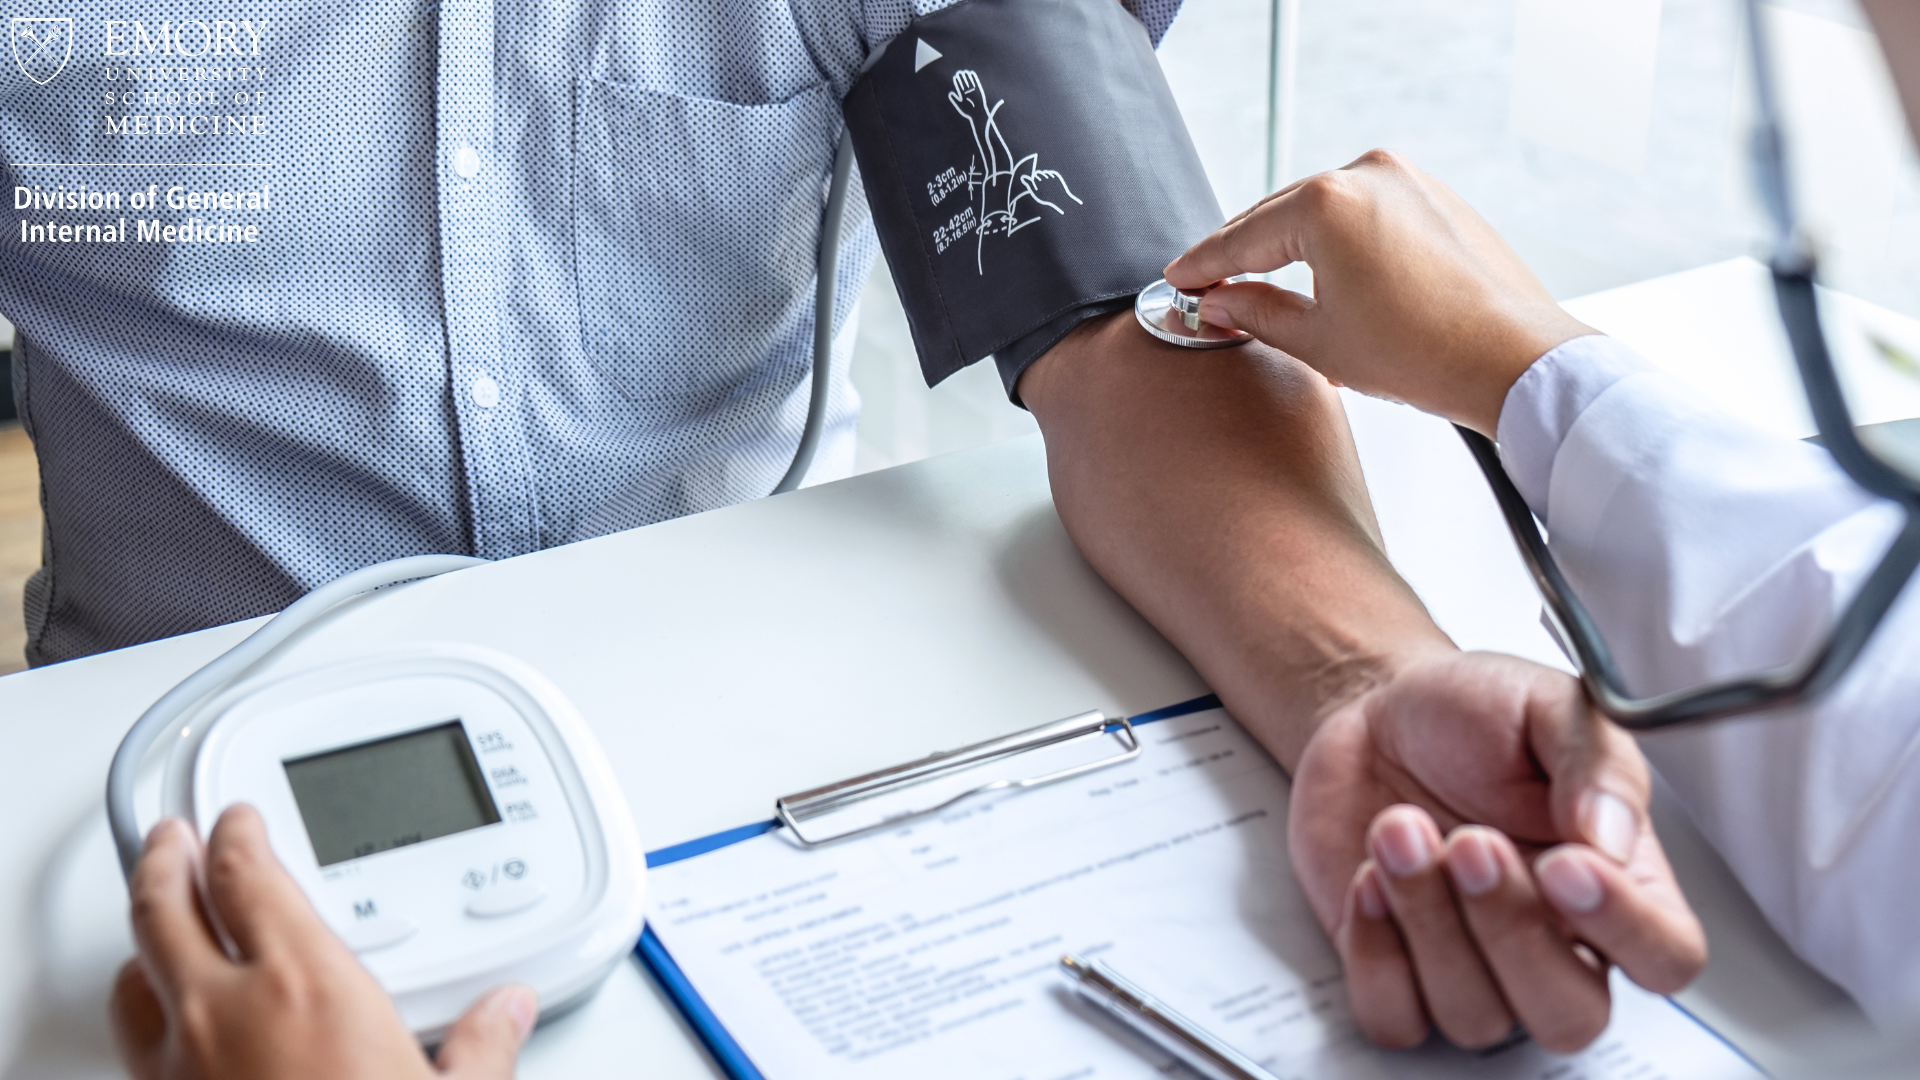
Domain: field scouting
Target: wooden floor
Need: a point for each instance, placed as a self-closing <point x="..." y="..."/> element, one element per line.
<point x="19" y="539"/>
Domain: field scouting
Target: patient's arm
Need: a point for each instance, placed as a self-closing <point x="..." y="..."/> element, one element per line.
<point x="1220" y="493"/>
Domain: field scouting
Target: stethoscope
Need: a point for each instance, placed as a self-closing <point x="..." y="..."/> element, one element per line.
<point x="1793" y="265"/>
<point x="1174" y="317"/>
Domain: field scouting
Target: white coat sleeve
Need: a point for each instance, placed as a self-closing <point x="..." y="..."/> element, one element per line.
<point x="1708" y="549"/>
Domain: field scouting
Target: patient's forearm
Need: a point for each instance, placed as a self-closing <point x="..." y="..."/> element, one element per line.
<point x="1219" y="492"/>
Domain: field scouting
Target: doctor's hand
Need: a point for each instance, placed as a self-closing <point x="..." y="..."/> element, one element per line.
<point x="1416" y="298"/>
<point x="1475" y="841"/>
<point x="291" y="1002"/>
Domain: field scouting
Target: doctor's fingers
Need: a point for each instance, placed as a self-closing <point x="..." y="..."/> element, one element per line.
<point x="177" y="947"/>
<point x="1560" y="998"/>
<point x="1265" y="199"/>
<point x="1332" y="210"/>
<point x="1372" y="159"/>
<point x="1279" y="317"/>
<point x="1266" y="237"/>
<point x="1460" y="992"/>
<point x="254" y="897"/>
<point x="1634" y="914"/>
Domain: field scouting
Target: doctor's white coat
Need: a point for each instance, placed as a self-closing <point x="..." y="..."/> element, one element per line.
<point x="1707" y="549"/>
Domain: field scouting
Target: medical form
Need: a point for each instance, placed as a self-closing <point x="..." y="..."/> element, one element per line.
<point x="930" y="950"/>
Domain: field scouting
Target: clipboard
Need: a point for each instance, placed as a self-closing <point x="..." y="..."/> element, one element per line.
<point x="1656" y="1023"/>
<point x="795" y="811"/>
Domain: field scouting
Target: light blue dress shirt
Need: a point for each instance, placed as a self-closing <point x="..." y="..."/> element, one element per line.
<point x="534" y="271"/>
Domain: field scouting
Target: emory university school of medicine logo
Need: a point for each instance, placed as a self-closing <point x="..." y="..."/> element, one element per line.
<point x="41" y="47"/>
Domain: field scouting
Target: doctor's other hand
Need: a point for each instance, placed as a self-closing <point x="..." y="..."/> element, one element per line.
<point x="292" y="1003"/>
<point x="1475" y="840"/>
<point x="1416" y="298"/>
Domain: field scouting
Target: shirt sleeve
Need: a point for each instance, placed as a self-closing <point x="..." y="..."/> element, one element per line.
<point x="882" y="20"/>
<point x="1707" y="549"/>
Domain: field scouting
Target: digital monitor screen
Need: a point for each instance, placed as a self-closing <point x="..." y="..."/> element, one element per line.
<point x="390" y="792"/>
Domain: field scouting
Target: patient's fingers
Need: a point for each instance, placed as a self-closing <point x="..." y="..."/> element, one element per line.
<point x="1600" y="785"/>
<point x="1380" y="986"/>
<point x="1634" y="914"/>
<point x="1460" y="992"/>
<point x="1560" y="998"/>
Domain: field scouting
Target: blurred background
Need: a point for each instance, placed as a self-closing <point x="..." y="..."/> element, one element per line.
<point x="1604" y="138"/>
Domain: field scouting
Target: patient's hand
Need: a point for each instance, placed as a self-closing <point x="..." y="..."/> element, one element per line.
<point x="1478" y="930"/>
<point x="294" y="1003"/>
<point x="1219" y="492"/>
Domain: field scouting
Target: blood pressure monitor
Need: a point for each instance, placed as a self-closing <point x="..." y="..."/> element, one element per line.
<point x="446" y="810"/>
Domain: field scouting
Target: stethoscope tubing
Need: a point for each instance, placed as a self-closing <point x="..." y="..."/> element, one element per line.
<point x="122" y="817"/>
<point x="1819" y="671"/>
<point x="1793" y="268"/>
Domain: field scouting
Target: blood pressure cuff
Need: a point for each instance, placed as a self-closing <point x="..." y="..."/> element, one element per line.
<point x="1027" y="168"/>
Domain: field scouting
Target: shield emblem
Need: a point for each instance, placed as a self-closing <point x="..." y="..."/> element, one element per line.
<point x="41" y="47"/>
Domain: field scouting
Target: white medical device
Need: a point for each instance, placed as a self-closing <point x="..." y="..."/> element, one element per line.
<point x="444" y="807"/>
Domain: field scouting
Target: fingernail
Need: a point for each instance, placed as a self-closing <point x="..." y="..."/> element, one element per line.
<point x="1215" y="312"/>
<point x="1373" y="902"/>
<point x="1569" y="882"/>
<point x="523" y="1005"/>
<point x="1471" y="861"/>
<point x="1402" y="847"/>
<point x="1611" y="826"/>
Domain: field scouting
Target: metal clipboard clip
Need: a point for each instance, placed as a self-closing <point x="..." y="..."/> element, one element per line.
<point x="803" y="806"/>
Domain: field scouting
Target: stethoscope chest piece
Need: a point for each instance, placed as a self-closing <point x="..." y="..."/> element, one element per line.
<point x="1173" y="316"/>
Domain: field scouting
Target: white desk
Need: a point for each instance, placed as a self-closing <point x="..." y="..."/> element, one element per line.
<point x="732" y="656"/>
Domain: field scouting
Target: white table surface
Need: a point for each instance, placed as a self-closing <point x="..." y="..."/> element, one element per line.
<point x="732" y="656"/>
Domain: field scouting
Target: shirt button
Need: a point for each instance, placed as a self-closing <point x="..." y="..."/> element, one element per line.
<point x="466" y="161"/>
<point x="484" y="392"/>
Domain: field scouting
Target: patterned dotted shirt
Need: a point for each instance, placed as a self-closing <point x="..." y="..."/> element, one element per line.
<point x="532" y="271"/>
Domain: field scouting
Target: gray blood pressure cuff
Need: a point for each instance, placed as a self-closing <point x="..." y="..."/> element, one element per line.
<point x="1027" y="168"/>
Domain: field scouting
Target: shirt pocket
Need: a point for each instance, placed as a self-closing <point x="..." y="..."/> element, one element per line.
<point x="696" y="223"/>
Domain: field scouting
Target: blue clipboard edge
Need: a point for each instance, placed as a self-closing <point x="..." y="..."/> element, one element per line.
<point x="693" y="1008"/>
<point x="679" y="989"/>
<point x="1715" y="1032"/>
<point x="653" y="953"/>
<point x="720" y="1042"/>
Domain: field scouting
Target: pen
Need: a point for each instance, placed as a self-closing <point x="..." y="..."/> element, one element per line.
<point x="1175" y="1034"/>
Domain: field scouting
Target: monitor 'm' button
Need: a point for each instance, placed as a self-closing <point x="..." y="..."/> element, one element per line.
<point x="368" y="935"/>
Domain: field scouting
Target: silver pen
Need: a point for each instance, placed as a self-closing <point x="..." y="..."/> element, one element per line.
<point x="1177" y="1035"/>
